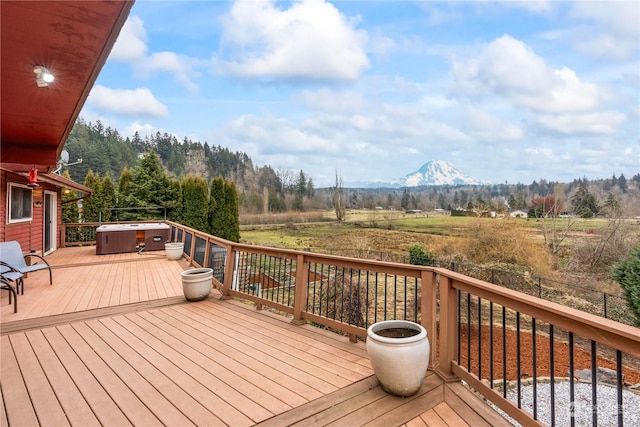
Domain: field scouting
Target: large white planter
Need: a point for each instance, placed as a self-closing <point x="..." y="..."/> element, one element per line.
<point x="400" y="364"/>
<point x="174" y="250"/>
<point x="196" y="283"/>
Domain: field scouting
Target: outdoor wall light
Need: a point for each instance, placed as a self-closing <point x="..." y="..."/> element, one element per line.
<point x="43" y="76"/>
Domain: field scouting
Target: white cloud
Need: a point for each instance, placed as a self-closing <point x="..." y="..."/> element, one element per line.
<point x="618" y="17"/>
<point x="142" y="129"/>
<point x="484" y="126"/>
<point x="182" y="67"/>
<point x="131" y="44"/>
<point x="509" y="68"/>
<point x="600" y="45"/>
<point x="602" y="123"/>
<point x="612" y="30"/>
<point x="310" y="40"/>
<point x="131" y="47"/>
<point x="123" y="101"/>
<point x="530" y="5"/>
<point x="330" y="100"/>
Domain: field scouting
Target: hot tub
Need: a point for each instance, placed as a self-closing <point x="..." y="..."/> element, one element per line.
<point x="119" y="238"/>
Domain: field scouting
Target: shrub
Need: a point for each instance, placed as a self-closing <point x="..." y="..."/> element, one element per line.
<point x="418" y="256"/>
<point x="627" y="274"/>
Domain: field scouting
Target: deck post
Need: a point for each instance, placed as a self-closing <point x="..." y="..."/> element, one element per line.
<point x="228" y="272"/>
<point x="300" y="295"/>
<point x="448" y="332"/>
<point x="428" y="308"/>
<point x="63" y="235"/>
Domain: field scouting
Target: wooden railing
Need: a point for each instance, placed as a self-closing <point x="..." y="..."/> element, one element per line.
<point x="480" y="330"/>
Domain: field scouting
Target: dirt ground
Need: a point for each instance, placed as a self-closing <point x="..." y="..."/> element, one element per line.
<point x="581" y="356"/>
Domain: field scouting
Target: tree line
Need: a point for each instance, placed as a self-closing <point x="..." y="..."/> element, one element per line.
<point x="265" y="190"/>
<point x="147" y="191"/>
<point x="260" y="189"/>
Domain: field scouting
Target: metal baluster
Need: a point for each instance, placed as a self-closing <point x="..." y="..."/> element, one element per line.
<point x="479" y="338"/>
<point x="504" y="352"/>
<point x="518" y="365"/>
<point x="491" y="344"/>
<point x="619" y="387"/>
<point x="594" y="385"/>
<point x="459" y="326"/>
<point x="535" y="368"/>
<point x="385" y="296"/>
<point x="395" y="296"/>
<point x="572" y="399"/>
<point x="552" y="377"/>
<point x="468" y="332"/>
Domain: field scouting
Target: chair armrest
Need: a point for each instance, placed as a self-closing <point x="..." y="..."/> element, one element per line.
<point x="36" y="256"/>
<point x="8" y="268"/>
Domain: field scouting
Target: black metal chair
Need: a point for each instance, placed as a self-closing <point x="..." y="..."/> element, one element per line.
<point x="10" y="274"/>
<point x="5" y="284"/>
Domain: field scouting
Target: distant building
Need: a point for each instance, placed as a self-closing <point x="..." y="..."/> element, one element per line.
<point x="518" y="214"/>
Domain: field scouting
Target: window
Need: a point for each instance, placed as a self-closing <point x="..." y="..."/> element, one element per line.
<point x="20" y="202"/>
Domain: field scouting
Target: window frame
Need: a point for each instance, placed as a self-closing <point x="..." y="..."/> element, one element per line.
<point x="11" y="192"/>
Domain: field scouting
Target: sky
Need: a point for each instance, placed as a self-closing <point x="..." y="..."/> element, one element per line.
<point x="507" y="91"/>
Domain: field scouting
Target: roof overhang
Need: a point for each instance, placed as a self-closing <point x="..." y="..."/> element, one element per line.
<point x="72" y="39"/>
<point x="55" y="180"/>
<point x="62" y="182"/>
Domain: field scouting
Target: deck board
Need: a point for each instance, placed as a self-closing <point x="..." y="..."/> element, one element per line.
<point x="114" y="342"/>
<point x="71" y="400"/>
<point x="125" y="400"/>
<point x="222" y="368"/>
<point x="44" y="399"/>
<point x="14" y="391"/>
<point x="91" y="281"/>
<point x="82" y="373"/>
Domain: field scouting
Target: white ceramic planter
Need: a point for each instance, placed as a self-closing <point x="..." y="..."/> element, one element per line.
<point x="196" y="283"/>
<point x="174" y="250"/>
<point x="400" y="364"/>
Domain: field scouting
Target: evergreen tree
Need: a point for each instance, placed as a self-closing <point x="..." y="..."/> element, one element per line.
<point x="584" y="203"/>
<point x="311" y="191"/>
<point x="151" y="185"/>
<point x="195" y="203"/>
<point x="622" y="183"/>
<point x="70" y="213"/>
<point x="406" y="199"/>
<point x="124" y="198"/>
<point x="612" y="205"/>
<point x="92" y="205"/>
<point x="108" y="198"/>
<point x="627" y="274"/>
<point x="232" y="212"/>
<point x="216" y="194"/>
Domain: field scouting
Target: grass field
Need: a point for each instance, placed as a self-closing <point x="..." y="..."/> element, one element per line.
<point x="507" y="244"/>
<point x="514" y="241"/>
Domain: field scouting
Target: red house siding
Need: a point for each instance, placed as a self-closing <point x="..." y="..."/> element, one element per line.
<point x="29" y="234"/>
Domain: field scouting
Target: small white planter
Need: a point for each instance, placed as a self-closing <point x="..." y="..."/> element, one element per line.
<point x="400" y="364"/>
<point x="174" y="250"/>
<point x="196" y="283"/>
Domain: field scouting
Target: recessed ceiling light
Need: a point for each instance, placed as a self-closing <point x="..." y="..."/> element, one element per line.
<point x="43" y="76"/>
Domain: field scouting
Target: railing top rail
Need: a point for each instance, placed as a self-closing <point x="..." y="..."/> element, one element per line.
<point x="606" y="331"/>
<point x="364" y="264"/>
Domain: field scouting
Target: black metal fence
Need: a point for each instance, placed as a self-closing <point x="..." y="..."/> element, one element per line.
<point x="590" y="300"/>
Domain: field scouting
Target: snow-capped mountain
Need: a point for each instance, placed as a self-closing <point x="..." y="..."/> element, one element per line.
<point x="436" y="172"/>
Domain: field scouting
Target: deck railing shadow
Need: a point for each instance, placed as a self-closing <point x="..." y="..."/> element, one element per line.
<point x="486" y="335"/>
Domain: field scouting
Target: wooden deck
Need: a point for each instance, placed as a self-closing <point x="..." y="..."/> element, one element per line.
<point x="113" y="342"/>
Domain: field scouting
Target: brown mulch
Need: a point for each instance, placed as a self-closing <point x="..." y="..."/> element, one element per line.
<point x="605" y="357"/>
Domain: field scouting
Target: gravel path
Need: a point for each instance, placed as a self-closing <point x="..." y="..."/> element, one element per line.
<point x="607" y="405"/>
